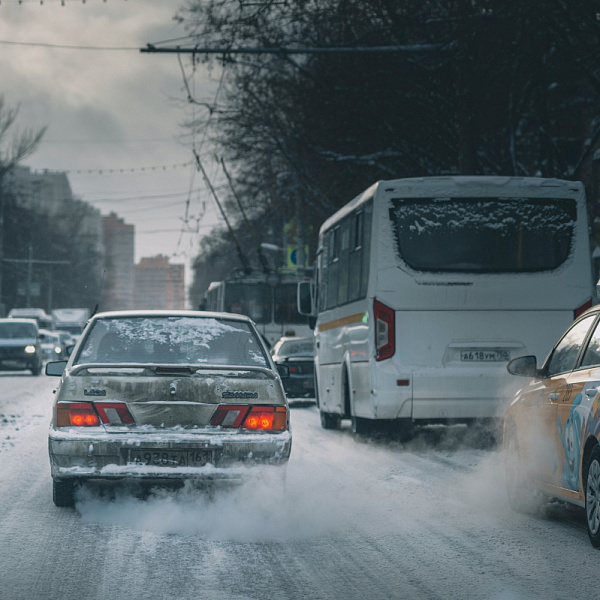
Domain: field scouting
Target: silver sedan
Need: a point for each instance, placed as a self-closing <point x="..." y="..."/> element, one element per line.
<point x="160" y="395"/>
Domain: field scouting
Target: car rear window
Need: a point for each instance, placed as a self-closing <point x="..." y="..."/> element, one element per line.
<point x="294" y="348"/>
<point x="171" y="340"/>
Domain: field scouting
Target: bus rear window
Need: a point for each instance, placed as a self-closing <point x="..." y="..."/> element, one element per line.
<point x="483" y="235"/>
<point x="251" y="299"/>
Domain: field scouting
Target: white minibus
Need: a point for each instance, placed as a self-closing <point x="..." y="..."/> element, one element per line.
<point x="426" y="287"/>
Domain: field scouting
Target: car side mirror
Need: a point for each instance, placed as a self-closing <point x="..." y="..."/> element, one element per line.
<point x="56" y="368"/>
<point x="524" y="366"/>
<point x="284" y="371"/>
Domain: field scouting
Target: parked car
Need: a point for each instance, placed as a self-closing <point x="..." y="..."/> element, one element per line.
<point x="20" y="346"/>
<point x="52" y="347"/>
<point x="297" y="353"/>
<point x="166" y="395"/>
<point x="552" y="427"/>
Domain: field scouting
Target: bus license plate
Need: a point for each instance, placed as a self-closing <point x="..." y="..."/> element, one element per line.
<point x="484" y="355"/>
<point x="170" y="458"/>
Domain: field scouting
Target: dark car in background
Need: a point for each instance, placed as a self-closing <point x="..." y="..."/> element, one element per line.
<point x="297" y="353"/>
<point x="20" y="346"/>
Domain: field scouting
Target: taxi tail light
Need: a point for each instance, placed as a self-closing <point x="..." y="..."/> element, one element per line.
<point x="385" y="330"/>
<point x="582" y="308"/>
<point x="266" y="418"/>
<point x="76" y="414"/>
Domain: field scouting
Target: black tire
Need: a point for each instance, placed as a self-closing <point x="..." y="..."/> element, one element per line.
<point x="521" y="496"/>
<point x="63" y="492"/>
<point x="330" y="420"/>
<point x="36" y="369"/>
<point x="592" y="497"/>
<point x="404" y="429"/>
<point x="362" y="426"/>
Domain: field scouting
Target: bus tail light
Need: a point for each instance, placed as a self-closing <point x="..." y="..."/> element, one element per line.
<point x="385" y="331"/>
<point x="583" y="308"/>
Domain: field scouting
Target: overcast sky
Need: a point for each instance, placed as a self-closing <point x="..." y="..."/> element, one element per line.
<point x="114" y="116"/>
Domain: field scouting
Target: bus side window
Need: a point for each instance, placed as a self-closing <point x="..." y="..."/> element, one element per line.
<point x="355" y="258"/>
<point x="344" y="256"/>
<point x="366" y="245"/>
<point x="333" y="268"/>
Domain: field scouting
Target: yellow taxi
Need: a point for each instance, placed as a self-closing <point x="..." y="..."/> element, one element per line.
<point x="552" y="427"/>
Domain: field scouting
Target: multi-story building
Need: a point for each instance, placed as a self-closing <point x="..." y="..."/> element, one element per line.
<point x="76" y="238"/>
<point x="118" y="285"/>
<point x="41" y="191"/>
<point x="159" y="284"/>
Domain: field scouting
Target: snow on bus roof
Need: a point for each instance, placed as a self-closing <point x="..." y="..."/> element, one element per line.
<point x="444" y="184"/>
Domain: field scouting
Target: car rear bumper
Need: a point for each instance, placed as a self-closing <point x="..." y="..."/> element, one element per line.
<point x="299" y="388"/>
<point x="101" y="456"/>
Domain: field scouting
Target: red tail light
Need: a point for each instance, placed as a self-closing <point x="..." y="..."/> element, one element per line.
<point x="87" y="414"/>
<point x="266" y="418"/>
<point x="385" y="331"/>
<point x="583" y="308"/>
<point x="114" y="413"/>
<point x="263" y="418"/>
<point x="229" y="415"/>
<point x="78" y="414"/>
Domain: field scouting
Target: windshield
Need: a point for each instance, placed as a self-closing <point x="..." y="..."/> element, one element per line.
<point x="17" y="330"/>
<point x="483" y="235"/>
<point x="171" y="340"/>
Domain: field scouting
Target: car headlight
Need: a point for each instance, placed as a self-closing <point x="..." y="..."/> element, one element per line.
<point x="30" y="349"/>
<point x="57" y="349"/>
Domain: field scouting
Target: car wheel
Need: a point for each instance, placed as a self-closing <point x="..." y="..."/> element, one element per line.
<point x="63" y="492"/>
<point x="330" y="420"/>
<point x="521" y="497"/>
<point x="36" y="369"/>
<point x="592" y="497"/>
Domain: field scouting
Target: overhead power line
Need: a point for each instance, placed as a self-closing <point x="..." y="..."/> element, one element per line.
<point x="64" y="46"/>
<point x="286" y="50"/>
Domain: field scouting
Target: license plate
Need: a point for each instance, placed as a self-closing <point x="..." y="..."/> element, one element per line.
<point x="484" y="355"/>
<point x="170" y="458"/>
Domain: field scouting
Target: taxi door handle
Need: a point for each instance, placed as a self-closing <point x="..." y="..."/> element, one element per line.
<point x="591" y="392"/>
<point x="554" y="396"/>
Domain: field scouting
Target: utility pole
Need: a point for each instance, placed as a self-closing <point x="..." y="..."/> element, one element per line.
<point x="30" y="262"/>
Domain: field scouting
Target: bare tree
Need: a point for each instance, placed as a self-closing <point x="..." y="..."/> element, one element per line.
<point x="15" y="146"/>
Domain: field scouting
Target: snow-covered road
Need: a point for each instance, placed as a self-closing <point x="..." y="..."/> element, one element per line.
<point x="360" y="519"/>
